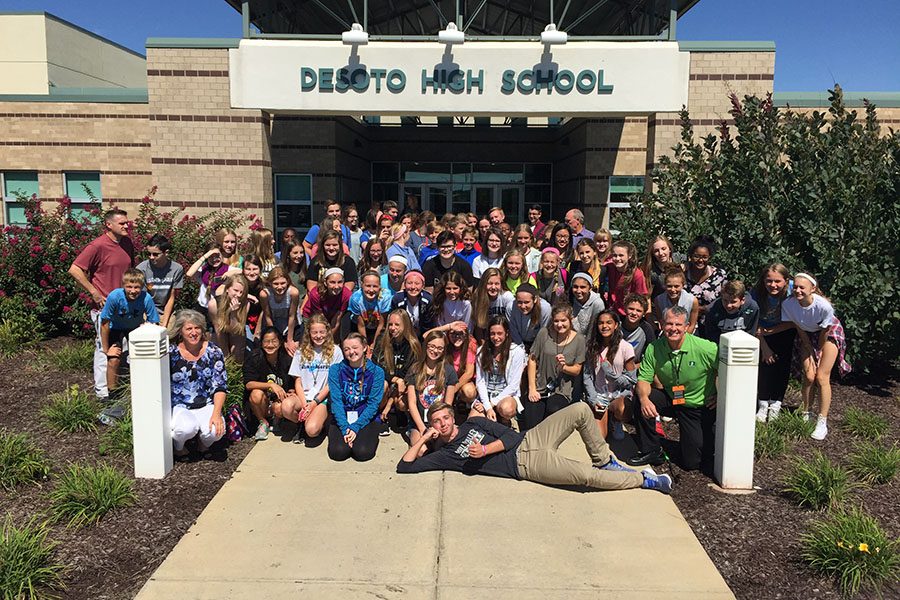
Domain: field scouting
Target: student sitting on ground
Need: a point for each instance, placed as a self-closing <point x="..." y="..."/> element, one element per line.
<point x="734" y="311"/>
<point x="431" y="379"/>
<point x="481" y="446"/>
<point x="355" y="387"/>
<point x="500" y="365"/>
<point x="268" y="381"/>
<point x="125" y="310"/>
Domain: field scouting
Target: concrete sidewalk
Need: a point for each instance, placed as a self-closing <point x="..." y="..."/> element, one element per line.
<point x="292" y="523"/>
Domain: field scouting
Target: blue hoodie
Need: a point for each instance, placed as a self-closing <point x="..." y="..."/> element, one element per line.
<point x="345" y="393"/>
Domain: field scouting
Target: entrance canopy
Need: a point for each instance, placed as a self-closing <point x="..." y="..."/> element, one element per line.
<point x="475" y="78"/>
<point x="479" y="17"/>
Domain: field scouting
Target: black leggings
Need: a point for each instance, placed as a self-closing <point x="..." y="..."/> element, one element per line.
<point x="773" y="379"/>
<point x="696" y="428"/>
<point x="364" y="446"/>
<point x="535" y="412"/>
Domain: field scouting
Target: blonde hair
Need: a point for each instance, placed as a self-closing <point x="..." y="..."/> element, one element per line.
<point x="221" y="234"/>
<point x="230" y="319"/>
<point x="421" y="376"/>
<point x="306" y="344"/>
<point x="134" y="276"/>
<point x="261" y="244"/>
<point x="386" y="347"/>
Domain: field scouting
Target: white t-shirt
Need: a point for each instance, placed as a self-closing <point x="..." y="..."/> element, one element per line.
<point x="456" y="310"/>
<point x="313" y="375"/>
<point x="623" y="354"/>
<point x="817" y="316"/>
<point x="502" y="304"/>
<point x="482" y="263"/>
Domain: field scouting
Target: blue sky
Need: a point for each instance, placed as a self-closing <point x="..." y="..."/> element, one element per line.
<point x="817" y="43"/>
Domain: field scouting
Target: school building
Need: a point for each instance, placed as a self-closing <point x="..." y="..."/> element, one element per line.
<point x="463" y="104"/>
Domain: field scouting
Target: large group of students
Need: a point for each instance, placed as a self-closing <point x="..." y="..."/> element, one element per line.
<point x="484" y="343"/>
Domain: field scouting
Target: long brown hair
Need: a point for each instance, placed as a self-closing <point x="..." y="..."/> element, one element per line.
<point x="481" y="302"/>
<point x="366" y="263"/>
<point x="386" y="345"/>
<point x="261" y="244"/>
<point x="307" y="351"/>
<point x="596" y="342"/>
<point x="760" y="287"/>
<point x="489" y="353"/>
<point x="421" y="376"/>
<point x="630" y="266"/>
<point x="650" y="262"/>
<point x="286" y="263"/>
<point x="440" y="295"/>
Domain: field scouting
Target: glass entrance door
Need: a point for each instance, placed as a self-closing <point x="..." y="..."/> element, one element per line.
<point x="511" y="203"/>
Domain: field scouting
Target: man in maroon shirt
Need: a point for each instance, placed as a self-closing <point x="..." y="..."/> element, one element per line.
<point x="98" y="269"/>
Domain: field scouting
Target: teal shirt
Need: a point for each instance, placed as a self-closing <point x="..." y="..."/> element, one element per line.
<point x="695" y="363"/>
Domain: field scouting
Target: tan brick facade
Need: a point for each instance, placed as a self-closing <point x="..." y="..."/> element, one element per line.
<point x="204" y="155"/>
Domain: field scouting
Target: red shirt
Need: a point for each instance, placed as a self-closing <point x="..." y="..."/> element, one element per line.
<point x="105" y="261"/>
<point x="327" y="305"/>
<point x="617" y="293"/>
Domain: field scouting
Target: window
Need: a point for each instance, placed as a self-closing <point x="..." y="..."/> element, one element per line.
<point x="620" y="190"/>
<point x="75" y="184"/>
<point x="23" y="183"/>
<point x="293" y="202"/>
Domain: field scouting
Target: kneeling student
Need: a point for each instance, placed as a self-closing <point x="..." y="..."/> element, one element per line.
<point x="482" y="446"/>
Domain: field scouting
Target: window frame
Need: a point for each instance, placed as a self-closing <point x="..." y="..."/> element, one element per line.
<point x="79" y="200"/>
<point x="276" y="202"/>
<point x="9" y="200"/>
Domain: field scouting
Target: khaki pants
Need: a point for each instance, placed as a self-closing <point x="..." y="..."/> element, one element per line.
<point x="539" y="459"/>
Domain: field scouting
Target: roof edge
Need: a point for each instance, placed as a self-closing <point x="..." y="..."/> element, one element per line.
<point x="96" y="36"/>
<point x="164" y="42"/>
<point x="95" y="95"/>
<point x="725" y="46"/>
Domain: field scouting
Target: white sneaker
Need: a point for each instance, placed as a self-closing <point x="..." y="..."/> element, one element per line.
<point x="774" y="410"/>
<point x="762" y="411"/>
<point x="618" y="432"/>
<point x="821" y="429"/>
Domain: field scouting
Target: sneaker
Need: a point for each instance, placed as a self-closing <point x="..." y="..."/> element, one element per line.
<point x="821" y="429"/>
<point x="384" y="430"/>
<point x="762" y="411"/>
<point x="618" y="431"/>
<point x="614" y="465"/>
<point x="774" y="410"/>
<point x="666" y="419"/>
<point x="298" y="437"/>
<point x="262" y="432"/>
<point x="181" y="453"/>
<point x="652" y="481"/>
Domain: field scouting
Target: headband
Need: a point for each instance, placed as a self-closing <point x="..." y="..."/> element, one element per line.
<point x="334" y="271"/>
<point x="399" y="258"/>
<point x="527" y="287"/>
<point x="415" y="275"/>
<point x="584" y="276"/>
<point x="400" y="232"/>
<point x="551" y="250"/>
<point x="807" y="276"/>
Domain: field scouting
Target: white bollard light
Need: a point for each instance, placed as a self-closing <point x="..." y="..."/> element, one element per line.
<point x="736" y="410"/>
<point x="151" y="404"/>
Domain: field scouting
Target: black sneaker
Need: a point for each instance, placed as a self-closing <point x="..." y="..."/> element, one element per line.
<point x="654" y="457"/>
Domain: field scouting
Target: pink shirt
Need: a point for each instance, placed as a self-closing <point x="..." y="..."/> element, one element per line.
<point x="617" y="293"/>
<point x="105" y="261"/>
<point x="327" y="305"/>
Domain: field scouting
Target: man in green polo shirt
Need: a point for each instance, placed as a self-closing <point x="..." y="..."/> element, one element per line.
<point x="686" y="367"/>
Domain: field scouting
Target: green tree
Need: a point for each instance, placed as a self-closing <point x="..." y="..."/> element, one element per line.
<point x="819" y="192"/>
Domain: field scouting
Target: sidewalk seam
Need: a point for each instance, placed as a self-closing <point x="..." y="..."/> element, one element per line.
<point x="439" y="547"/>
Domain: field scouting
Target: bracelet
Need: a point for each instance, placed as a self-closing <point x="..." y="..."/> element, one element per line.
<point x="483" y="450"/>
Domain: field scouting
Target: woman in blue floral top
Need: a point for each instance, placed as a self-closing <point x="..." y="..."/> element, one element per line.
<point x="198" y="383"/>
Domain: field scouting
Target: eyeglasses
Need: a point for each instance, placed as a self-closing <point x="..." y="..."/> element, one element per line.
<point x="154" y="254"/>
<point x="448" y="248"/>
<point x="435" y="347"/>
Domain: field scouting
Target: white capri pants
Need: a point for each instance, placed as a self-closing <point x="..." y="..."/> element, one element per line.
<point x="188" y="422"/>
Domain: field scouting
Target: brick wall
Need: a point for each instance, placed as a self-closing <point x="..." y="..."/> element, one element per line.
<point x="53" y="138"/>
<point x="205" y="155"/>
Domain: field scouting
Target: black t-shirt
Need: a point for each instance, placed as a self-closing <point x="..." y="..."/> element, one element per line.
<point x="433" y="270"/>
<point x="428" y="395"/>
<point x="349" y="267"/>
<point x="402" y="356"/>
<point x="257" y="368"/>
<point x="454" y="455"/>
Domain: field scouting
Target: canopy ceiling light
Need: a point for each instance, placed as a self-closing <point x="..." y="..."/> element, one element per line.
<point x="355" y="36"/>
<point x="451" y="35"/>
<point x="551" y="36"/>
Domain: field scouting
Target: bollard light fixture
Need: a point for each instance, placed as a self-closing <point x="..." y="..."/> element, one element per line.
<point x="550" y="35"/>
<point x="451" y="35"/>
<point x="355" y="36"/>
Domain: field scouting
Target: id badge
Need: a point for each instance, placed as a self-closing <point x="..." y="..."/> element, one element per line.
<point x="353" y="416"/>
<point x="677" y="395"/>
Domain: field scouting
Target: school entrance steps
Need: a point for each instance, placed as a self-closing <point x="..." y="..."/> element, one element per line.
<point x="293" y="524"/>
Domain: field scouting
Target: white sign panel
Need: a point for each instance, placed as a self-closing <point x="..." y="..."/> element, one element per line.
<point x="474" y="78"/>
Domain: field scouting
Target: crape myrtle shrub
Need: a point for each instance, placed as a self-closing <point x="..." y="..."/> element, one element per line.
<point x="35" y="258"/>
<point x="818" y="192"/>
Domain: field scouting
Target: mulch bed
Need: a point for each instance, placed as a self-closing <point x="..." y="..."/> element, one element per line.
<point x="114" y="558"/>
<point x="754" y="539"/>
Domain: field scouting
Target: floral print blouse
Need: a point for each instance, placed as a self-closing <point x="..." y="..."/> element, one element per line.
<point x="194" y="383"/>
<point x="708" y="291"/>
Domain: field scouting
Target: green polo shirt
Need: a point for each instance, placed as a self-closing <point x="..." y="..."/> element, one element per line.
<point x="695" y="364"/>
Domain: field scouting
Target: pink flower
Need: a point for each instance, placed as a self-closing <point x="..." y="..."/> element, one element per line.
<point x="47" y="269"/>
<point x="63" y="255"/>
<point x="37" y="248"/>
<point x="66" y="309"/>
<point x="43" y="283"/>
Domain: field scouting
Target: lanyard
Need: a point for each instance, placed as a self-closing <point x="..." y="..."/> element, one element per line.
<point x="676" y="366"/>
